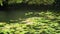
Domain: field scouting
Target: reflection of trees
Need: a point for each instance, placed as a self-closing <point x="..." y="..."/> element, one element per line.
<point x="5" y="3"/>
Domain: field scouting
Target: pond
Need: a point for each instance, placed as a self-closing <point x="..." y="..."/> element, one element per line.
<point x="14" y="16"/>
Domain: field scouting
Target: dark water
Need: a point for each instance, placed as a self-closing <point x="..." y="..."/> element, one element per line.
<point x="2" y="16"/>
<point x="14" y="15"/>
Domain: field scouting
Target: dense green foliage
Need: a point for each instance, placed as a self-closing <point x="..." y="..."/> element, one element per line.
<point x="15" y="1"/>
<point x="1" y="2"/>
<point x="47" y="23"/>
<point x="45" y="2"/>
<point x="33" y="1"/>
